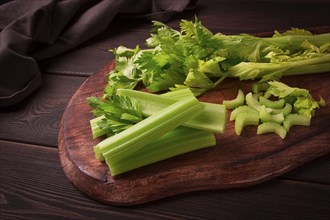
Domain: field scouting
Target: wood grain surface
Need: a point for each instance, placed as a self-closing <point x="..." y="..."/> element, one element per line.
<point x="236" y="161"/>
<point x="34" y="186"/>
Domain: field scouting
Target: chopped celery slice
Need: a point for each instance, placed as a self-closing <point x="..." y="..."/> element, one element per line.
<point x="178" y="141"/>
<point x="285" y="111"/>
<point x="271" y="104"/>
<point x="234" y="103"/>
<point x="268" y="127"/>
<point x="252" y="101"/>
<point x="265" y="116"/>
<point x="149" y="129"/>
<point x="296" y="119"/>
<point x="213" y="117"/>
<point x="244" y="119"/>
<point x="240" y="109"/>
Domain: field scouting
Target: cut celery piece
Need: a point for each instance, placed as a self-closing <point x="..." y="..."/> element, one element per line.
<point x="271" y="104"/>
<point x="265" y="116"/>
<point x="240" y="109"/>
<point x="244" y="119"/>
<point x="213" y="117"/>
<point x="178" y="141"/>
<point x="252" y="101"/>
<point x="98" y="153"/>
<point x="268" y="127"/>
<point x="296" y="119"/>
<point x="234" y="103"/>
<point x="96" y="130"/>
<point x="285" y="111"/>
<point x="149" y="129"/>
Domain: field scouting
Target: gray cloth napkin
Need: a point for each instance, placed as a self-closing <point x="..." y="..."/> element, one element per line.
<point x="33" y="30"/>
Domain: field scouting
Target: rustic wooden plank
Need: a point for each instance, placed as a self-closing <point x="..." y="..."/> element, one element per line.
<point x="33" y="186"/>
<point x="37" y="119"/>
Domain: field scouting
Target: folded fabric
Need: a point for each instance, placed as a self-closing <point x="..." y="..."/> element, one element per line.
<point x="40" y="29"/>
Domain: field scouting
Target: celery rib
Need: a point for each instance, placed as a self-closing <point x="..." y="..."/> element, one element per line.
<point x="178" y="141"/>
<point x="234" y="103"/>
<point x="149" y="129"/>
<point x="296" y="40"/>
<point x="269" y="127"/>
<point x="213" y="117"/>
<point x="96" y="130"/>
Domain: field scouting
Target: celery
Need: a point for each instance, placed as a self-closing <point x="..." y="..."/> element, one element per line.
<point x="268" y="127"/>
<point x="285" y="111"/>
<point x="271" y="104"/>
<point x="265" y="116"/>
<point x="96" y="130"/>
<point x="234" y="103"/>
<point x="252" y="70"/>
<point x="178" y="94"/>
<point x="295" y="41"/>
<point x="114" y="115"/>
<point x="296" y="119"/>
<point x="302" y="101"/>
<point x="178" y="141"/>
<point x="240" y="109"/>
<point x="195" y="57"/>
<point x="148" y="130"/>
<point x="252" y="101"/>
<point x="213" y="117"/>
<point x="294" y="106"/>
<point x="244" y="119"/>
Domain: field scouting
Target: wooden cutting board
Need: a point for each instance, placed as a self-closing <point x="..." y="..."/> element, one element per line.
<point x="236" y="161"/>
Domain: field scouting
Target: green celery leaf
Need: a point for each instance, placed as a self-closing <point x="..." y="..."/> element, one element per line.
<point x="197" y="79"/>
<point x="293" y="31"/>
<point x="302" y="100"/>
<point x="211" y="67"/>
<point x="120" y="112"/>
<point x="167" y="79"/>
<point x="282" y="90"/>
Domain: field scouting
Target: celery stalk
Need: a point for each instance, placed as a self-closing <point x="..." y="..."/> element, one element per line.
<point x="148" y="130"/>
<point x="234" y="103"/>
<point x="212" y="119"/>
<point x="294" y="41"/>
<point x="96" y="130"/>
<point x="178" y="141"/>
<point x="178" y="94"/>
<point x="296" y="119"/>
<point x="252" y="70"/>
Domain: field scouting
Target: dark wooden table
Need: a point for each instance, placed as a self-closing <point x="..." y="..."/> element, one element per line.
<point x="32" y="182"/>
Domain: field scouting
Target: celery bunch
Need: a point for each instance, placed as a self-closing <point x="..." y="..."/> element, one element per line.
<point x="193" y="57"/>
<point x="144" y="128"/>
